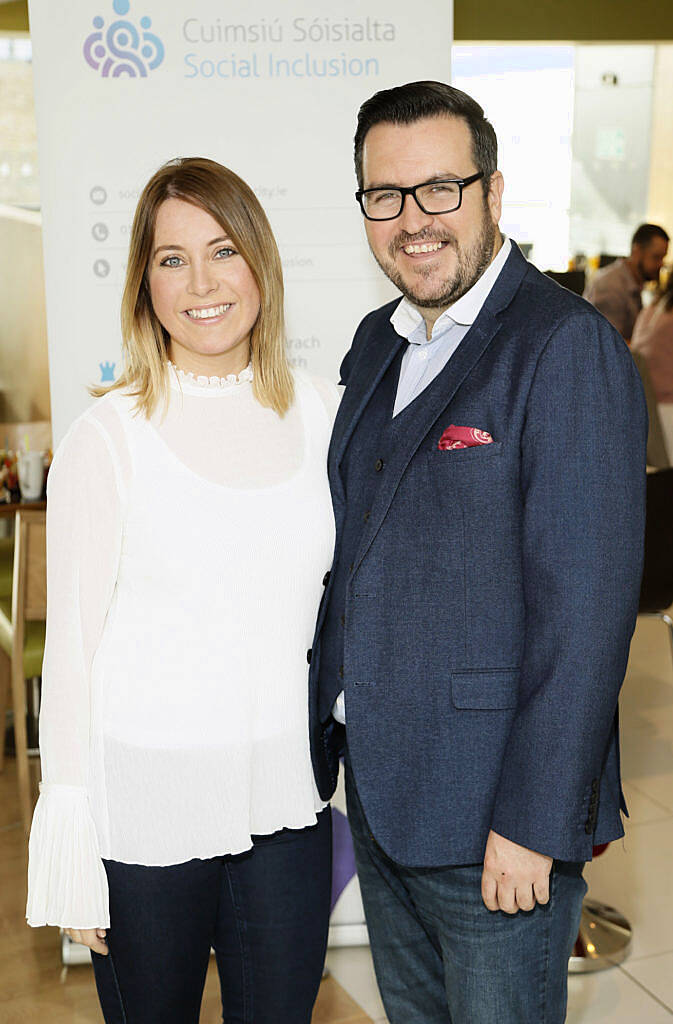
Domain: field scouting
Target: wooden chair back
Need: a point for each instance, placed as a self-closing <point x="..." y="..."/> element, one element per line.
<point x="29" y="591"/>
<point x="29" y="604"/>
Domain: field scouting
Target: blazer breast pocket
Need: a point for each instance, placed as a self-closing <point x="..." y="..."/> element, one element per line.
<point x="477" y="453"/>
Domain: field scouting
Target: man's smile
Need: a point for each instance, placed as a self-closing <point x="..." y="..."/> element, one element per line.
<point x="414" y="248"/>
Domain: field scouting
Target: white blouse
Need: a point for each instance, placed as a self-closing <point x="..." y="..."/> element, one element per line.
<point x="185" y="557"/>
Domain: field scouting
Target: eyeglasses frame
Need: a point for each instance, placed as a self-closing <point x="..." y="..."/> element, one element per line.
<point x="411" y="191"/>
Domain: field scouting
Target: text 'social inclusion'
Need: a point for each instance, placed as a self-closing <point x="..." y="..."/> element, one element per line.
<point x="269" y="65"/>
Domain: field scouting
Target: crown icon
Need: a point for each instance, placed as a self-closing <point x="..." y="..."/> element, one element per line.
<point x="107" y="372"/>
<point x="122" y="49"/>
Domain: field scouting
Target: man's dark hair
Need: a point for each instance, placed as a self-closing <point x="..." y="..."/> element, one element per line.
<point x="416" y="100"/>
<point x="646" y="232"/>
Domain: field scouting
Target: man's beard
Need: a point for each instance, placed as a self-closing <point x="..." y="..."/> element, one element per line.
<point x="470" y="264"/>
<point x="646" y="275"/>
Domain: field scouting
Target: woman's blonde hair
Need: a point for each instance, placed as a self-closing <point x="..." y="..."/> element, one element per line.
<point x="234" y="206"/>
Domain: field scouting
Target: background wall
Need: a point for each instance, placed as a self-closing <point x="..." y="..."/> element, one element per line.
<point x="660" y="206"/>
<point x="14" y="16"/>
<point x="610" y="146"/>
<point x="24" y="377"/>
<point x="576" y="20"/>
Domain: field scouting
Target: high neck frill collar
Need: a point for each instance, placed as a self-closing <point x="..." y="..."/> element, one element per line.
<point x="200" y="384"/>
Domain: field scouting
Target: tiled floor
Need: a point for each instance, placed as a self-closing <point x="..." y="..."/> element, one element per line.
<point x="635" y="875"/>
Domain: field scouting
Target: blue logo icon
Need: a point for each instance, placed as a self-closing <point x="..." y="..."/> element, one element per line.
<point x="122" y="49"/>
<point x="107" y="372"/>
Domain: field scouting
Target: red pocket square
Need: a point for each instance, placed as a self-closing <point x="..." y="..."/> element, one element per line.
<point x="463" y="437"/>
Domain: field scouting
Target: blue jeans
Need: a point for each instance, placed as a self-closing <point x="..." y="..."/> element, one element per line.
<point x="442" y="958"/>
<point x="265" y="912"/>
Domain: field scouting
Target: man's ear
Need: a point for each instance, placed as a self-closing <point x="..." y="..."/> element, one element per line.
<point x="494" y="198"/>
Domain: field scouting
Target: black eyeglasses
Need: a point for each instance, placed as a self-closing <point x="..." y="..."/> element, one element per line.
<point x="431" y="196"/>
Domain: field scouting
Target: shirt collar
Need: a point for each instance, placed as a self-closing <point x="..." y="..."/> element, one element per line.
<point x="406" y="318"/>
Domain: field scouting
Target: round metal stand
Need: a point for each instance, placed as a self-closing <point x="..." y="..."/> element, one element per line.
<point x="604" y="938"/>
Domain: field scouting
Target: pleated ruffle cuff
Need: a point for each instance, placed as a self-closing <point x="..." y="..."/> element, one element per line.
<point x="67" y="884"/>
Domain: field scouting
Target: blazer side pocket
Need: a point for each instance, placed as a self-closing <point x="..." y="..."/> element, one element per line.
<point x="485" y="689"/>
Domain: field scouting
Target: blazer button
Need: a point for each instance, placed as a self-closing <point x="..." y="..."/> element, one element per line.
<point x="342" y="620"/>
<point x="366" y="516"/>
<point x="378" y="465"/>
<point x="325" y="579"/>
<point x="309" y="655"/>
<point x="351" y="567"/>
<point x="341" y="672"/>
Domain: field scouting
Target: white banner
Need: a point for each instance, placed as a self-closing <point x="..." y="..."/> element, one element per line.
<point x="272" y="93"/>
<point x="271" y="90"/>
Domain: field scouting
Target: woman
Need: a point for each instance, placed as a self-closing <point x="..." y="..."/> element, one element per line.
<point x="189" y="528"/>
<point x="653" y="338"/>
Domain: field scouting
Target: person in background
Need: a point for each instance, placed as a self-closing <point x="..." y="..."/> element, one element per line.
<point x="615" y="290"/>
<point x="653" y="338"/>
<point x="189" y="526"/>
<point x="488" y="477"/>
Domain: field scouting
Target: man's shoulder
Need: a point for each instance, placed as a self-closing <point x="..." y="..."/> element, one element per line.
<point x="544" y="300"/>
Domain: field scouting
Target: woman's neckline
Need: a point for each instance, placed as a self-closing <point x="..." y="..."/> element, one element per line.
<point x="200" y="384"/>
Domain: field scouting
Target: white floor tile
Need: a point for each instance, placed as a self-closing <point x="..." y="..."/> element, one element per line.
<point x="657" y="788"/>
<point x="643" y="808"/>
<point x="650" y="647"/>
<point x="655" y="973"/>
<point x="634" y="875"/>
<point x="611" y="997"/>
<point x="646" y="716"/>
<point x="354" y="970"/>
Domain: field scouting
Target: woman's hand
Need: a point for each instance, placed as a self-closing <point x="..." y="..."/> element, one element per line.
<point x="94" y="938"/>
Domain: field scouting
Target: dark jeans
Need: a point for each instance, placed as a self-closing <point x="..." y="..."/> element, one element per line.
<point x="442" y="958"/>
<point x="265" y="912"/>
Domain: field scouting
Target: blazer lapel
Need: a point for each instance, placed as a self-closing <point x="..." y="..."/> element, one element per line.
<point x="367" y="374"/>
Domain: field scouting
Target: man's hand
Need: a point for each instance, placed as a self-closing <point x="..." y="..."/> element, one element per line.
<point x="514" y="877"/>
<point x="94" y="938"/>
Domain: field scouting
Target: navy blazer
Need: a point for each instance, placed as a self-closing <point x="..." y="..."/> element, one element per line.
<point x="491" y="605"/>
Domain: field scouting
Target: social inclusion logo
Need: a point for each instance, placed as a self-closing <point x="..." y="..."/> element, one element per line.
<point x="122" y="49"/>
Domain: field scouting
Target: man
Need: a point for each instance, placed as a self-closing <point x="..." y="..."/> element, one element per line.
<point x="615" y="290"/>
<point x="487" y="469"/>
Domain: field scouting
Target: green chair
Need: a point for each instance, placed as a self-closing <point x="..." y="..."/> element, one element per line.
<point x="6" y="566"/>
<point x="6" y="570"/>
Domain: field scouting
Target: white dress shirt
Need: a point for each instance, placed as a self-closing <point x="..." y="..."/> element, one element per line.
<point x="426" y="357"/>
